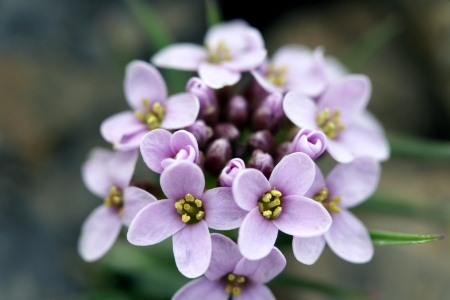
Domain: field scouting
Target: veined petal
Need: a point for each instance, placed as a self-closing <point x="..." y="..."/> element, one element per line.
<point x="224" y="256"/>
<point x="256" y="292"/>
<point x="257" y="235"/>
<point x="95" y="172"/>
<point x="339" y="151"/>
<point x="98" y="233"/>
<point x="248" y="186"/>
<point x="155" y="147"/>
<point x="301" y="110"/>
<point x="134" y="199"/>
<point x="192" y="249"/>
<point x="121" y="167"/>
<point x="183" y="56"/>
<point x="317" y="185"/>
<point x="308" y="250"/>
<point x="181" y="111"/>
<point x="198" y="288"/>
<point x="182" y="178"/>
<point x="217" y="76"/>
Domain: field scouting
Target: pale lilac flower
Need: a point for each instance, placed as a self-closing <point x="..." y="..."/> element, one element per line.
<point x="186" y="214"/>
<point x="346" y="186"/>
<point x="160" y="148"/>
<point x="230" y="172"/>
<point x="230" y="274"/>
<point x="293" y="68"/>
<point x="278" y="204"/>
<point x="340" y="114"/>
<point x="107" y="174"/>
<point x="308" y="141"/>
<point x="146" y="93"/>
<point x="230" y="48"/>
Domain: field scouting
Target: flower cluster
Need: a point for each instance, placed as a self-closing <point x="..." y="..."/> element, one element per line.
<point x="267" y="178"/>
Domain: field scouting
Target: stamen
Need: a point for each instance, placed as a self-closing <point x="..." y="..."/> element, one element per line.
<point x="267" y="214"/>
<point x="114" y="198"/>
<point x="277" y="212"/>
<point x="266" y="197"/>
<point x="236" y="291"/>
<point x="331" y="205"/>
<point x="233" y="283"/>
<point x="190" y="209"/>
<point x="274" y="203"/>
<point x="231" y="277"/>
<point x="198" y="202"/>
<point x="185" y="218"/>
<point x="321" y="195"/>
<point x="269" y="204"/>
<point x="200" y="215"/>
<point x="152" y="116"/>
<point x="277" y="75"/>
<point x="261" y="207"/>
<point x="330" y="123"/>
<point x="218" y="55"/>
<point x="276" y="193"/>
<point x="189" y="198"/>
<point x="240" y="279"/>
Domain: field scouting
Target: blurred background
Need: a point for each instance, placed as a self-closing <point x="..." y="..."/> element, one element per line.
<point x="61" y="72"/>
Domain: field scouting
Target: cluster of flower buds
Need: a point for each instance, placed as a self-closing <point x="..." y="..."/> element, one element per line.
<point x="267" y="179"/>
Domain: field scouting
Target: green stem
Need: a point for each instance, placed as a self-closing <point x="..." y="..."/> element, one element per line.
<point x="414" y="147"/>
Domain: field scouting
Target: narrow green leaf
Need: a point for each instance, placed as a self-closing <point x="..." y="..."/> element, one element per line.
<point x="414" y="147"/>
<point x="395" y="238"/>
<point x="213" y="13"/>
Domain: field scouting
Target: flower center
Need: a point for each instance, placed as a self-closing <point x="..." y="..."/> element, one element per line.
<point x="115" y="199"/>
<point x="330" y="204"/>
<point x="270" y="204"/>
<point x="277" y="74"/>
<point x="152" y="116"/>
<point x="219" y="54"/>
<point x="233" y="281"/>
<point x="190" y="209"/>
<point x="329" y="122"/>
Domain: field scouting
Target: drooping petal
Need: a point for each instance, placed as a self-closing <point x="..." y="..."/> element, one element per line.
<point x="224" y="256"/>
<point x="198" y="288"/>
<point x="134" y="199"/>
<point x="294" y="174"/>
<point x="182" y="139"/>
<point x="183" y="56"/>
<point x="95" y="172"/>
<point x="301" y="110"/>
<point x="181" y="111"/>
<point x="302" y="217"/>
<point x="154" y="223"/>
<point x="182" y="178"/>
<point x="217" y="76"/>
<point x="257" y="235"/>
<point x="308" y="250"/>
<point x="192" y="249"/>
<point x="262" y="270"/>
<point x="349" y="238"/>
<point x="256" y="292"/>
<point x="355" y="181"/>
<point x="339" y="151"/>
<point x="98" y="233"/>
<point x="221" y="211"/>
<point x="246" y="61"/>
<point x="155" y="147"/>
<point x="121" y="167"/>
<point x="143" y="81"/>
<point x="248" y="186"/>
<point x="317" y="185"/>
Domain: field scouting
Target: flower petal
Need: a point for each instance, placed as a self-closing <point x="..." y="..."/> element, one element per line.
<point x="143" y="81"/>
<point x="302" y="217"/>
<point x="294" y="174"/>
<point x="349" y="238"/>
<point x="221" y="211"/>
<point x="181" y="111"/>
<point x="98" y="233"/>
<point x="154" y="223"/>
<point x="355" y="181"/>
<point x="257" y="235"/>
<point x="183" y="56"/>
<point x="121" y="167"/>
<point x="246" y="61"/>
<point x="155" y="147"/>
<point x="301" y="110"/>
<point x="134" y="199"/>
<point x="248" y="186"/>
<point x="182" y="178"/>
<point x="224" y="256"/>
<point x="198" y="288"/>
<point x="95" y="172"/>
<point x="217" y="76"/>
<point x="339" y="151"/>
<point x="256" y="292"/>
<point x="317" y="185"/>
<point x="192" y="249"/>
<point x="266" y="84"/>
<point x="182" y="139"/>
<point x="262" y="270"/>
<point x="308" y="250"/>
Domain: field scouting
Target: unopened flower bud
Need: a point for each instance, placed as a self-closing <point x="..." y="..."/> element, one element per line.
<point x="230" y="172"/>
<point x="269" y="115"/>
<point x="311" y="142"/>
<point x="201" y="131"/>
<point x="228" y="131"/>
<point x="282" y="151"/>
<point x="207" y="98"/>
<point x="261" y="161"/>
<point x="255" y="94"/>
<point x="237" y="110"/>
<point x="262" y="140"/>
<point x="217" y="155"/>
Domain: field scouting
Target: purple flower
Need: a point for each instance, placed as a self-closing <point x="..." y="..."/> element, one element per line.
<point x="230" y="48"/>
<point x="230" y="274"/>
<point x="340" y="114"/>
<point x="186" y="214"/>
<point x="278" y="204"/>
<point x="146" y="93"/>
<point x="293" y="68"/>
<point x="201" y="131"/>
<point x="206" y="97"/>
<point x="346" y="186"/>
<point x="308" y="141"/>
<point x="269" y="115"/>
<point x="107" y="174"/>
<point x="261" y="161"/>
<point x="160" y="148"/>
<point x="230" y="172"/>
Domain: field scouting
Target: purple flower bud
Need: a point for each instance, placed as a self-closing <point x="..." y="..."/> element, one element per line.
<point x="269" y="115"/>
<point x="237" y="110"/>
<point x="282" y="151"/>
<point x="261" y="161"/>
<point x="201" y="131"/>
<point x="206" y="97"/>
<point x="262" y="140"/>
<point x="230" y="172"/>
<point x="228" y="131"/>
<point x="217" y="155"/>
<point x="255" y="94"/>
<point x="311" y="142"/>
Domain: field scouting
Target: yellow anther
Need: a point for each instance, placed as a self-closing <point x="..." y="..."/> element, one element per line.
<point x="181" y="201"/>
<point x="276" y="201"/>
<point x="276" y="212"/>
<point x="185" y="218"/>
<point x="236" y="291"/>
<point x="145" y="102"/>
<point x="229" y="288"/>
<point x="266" y="197"/>
<point x="334" y="208"/>
<point x="336" y="199"/>
<point x="116" y="200"/>
<point x="321" y="195"/>
<point x="261" y="207"/>
<point x="240" y="279"/>
<point x="330" y="123"/>
<point x="200" y="215"/>
<point x="189" y="198"/>
<point x="267" y="214"/>
<point x="179" y="207"/>
<point x="198" y="202"/>
<point x="231" y="277"/>
<point x="276" y="193"/>
<point x="140" y="115"/>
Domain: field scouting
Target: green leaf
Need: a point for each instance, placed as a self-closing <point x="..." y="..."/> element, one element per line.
<point x="414" y="147"/>
<point x="213" y="13"/>
<point x="395" y="238"/>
